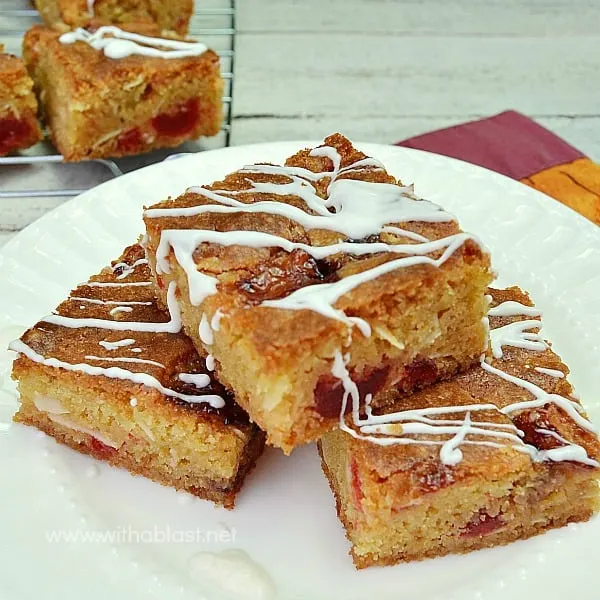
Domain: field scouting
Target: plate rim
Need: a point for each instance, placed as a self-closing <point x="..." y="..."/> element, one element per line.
<point x="371" y="148"/>
<point x="525" y="193"/>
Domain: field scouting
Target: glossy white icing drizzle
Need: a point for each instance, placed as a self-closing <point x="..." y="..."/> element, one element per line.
<point x="405" y="233"/>
<point x="541" y="397"/>
<point x="116" y="44"/>
<point x="569" y="451"/>
<point x="201" y="285"/>
<point x="200" y="380"/>
<point x="117" y="344"/>
<point x="485" y="321"/>
<point x="320" y="298"/>
<point x="387" y="204"/>
<point x="450" y="453"/>
<point x="328" y="152"/>
<point x="550" y="372"/>
<point x="511" y="308"/>
<point x="394" y="428"/>
<point x="205" y="331"/>
<point x="297" y="187"/>
<point x="342" y="212"/>
<point x="215" y="322"/>
<point x="518" y="335"/>
<point x="286" y="171"/>
<point x="111" y="284"/>
<point x="113" y="373"/>
<point x="265" y="169"/>
<point x="210" y="362"/>
<point x="125" y="359"/>
<point x="110" y="302"/>
<point x="172" y="326"/>
<point x="127" y="268"/>
<point x="119" y="309"/>
<point x="133" y="402"/>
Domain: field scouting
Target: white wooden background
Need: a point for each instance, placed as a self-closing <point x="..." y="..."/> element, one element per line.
<point x="382" y="70"/>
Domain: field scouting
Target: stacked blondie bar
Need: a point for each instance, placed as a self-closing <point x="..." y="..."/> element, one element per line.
<point x="321" y="300"/>
<point x="18" y="106"/>
<point x="112" y="79"/>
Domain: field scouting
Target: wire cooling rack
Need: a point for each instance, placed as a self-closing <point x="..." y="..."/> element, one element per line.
<point x="213" y="24"/>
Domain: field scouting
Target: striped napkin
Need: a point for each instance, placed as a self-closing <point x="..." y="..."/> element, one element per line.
<point x="514" y="145"/>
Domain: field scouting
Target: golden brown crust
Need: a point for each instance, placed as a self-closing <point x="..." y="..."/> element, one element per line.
<point x="399" y="484"/>
<point x="68" y="14"/>
<point x="98" y="107"/>
<point x="173" y="353"/>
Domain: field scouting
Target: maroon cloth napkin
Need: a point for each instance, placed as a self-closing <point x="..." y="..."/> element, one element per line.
<point x="509" y="143"/>
<point x="514" y="145"/>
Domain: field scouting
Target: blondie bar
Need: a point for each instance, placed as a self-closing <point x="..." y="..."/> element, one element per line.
<point x="110" y="375"/>
<point x="173" y="15"/>
<point x="19" y="126"/>
<point x="500" y="453"/>
<point x="282" y="268"/>
<point x="114" y="92"/>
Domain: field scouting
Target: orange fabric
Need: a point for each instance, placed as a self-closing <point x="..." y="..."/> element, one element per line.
<point x="575" y="184"/>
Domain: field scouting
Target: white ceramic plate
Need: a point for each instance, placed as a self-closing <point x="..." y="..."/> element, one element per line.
<point x="285" y="520"/>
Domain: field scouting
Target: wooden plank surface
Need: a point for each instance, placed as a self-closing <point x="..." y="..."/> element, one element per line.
<point x="419" y="17"/>
<point x="383" y="70"/>
<point x="373" y="75"/>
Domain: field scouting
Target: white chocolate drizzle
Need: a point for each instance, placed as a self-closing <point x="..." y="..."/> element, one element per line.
<point x="113" y="373"/>
<point x="117" y="344"/>
<point x="128" y="269"/>
<point x="550" y="372"/>
<point x="172" y="326"/>
<point x="518" y="335"/>
<point x="119" y="309"/>
<point x="450" y="453"/>
<point x="205" y="331"/>
<point x="514" y="309"/>
<point x="110" y="302"/>
<point x="387" y="204"/>
<point x="116" y="44"/>
<point x="200" y="380"/>
<point x="210" y="362"/>
<point x="111" y="284"/>
<point x="395" y="428"/>
<point x="215" y="322"/>
<point x="319" y="297"/>
<point x="342" y="212"/>
<point x="125" y="359"/>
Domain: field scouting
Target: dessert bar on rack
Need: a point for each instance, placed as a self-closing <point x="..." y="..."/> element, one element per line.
<point x="282" y="268"/>
<point x="173" y="15"/>
<point x="19" y="126"/>
<point x="500" y="453"/>
<point x="111" y="92"/>
<point x="110" y="374"/>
